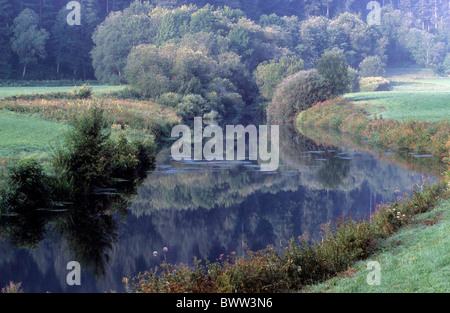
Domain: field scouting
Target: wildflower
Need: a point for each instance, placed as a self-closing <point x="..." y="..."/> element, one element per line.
<point x="299" y="269"/>
<point x="165" y="249"/>
<point x="155" y="253"/>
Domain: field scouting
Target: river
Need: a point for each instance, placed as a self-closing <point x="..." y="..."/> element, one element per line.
<point x="200" y="209"/>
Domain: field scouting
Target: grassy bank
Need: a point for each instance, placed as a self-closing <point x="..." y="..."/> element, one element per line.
<point x="416" y="94"/>
<point x="302" y="263"/>
<point x="428" y="106"/>
<point x="410" y="136"/>
<point x="24" y="135"/>
<point x="413" y="260"/>
<point x="36" y="127"/>
<point x="412" y="118"/>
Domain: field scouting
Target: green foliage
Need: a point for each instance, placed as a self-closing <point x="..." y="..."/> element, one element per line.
<point x="333" y="67"/>
<point x="446" y="64"/>
<point x="12" y="288"/>
<point x="308" y="28"/>
<point x="170" y="99"/>
<point x="269" y="74"/>
<point x="116" y="36"/>
<point x="84" y="92"/>
<point x="192" y="106"/>
<point x="87" y="153"/>
<point x="240" y="41"/>
<point x="296" y="93"/>
<point x="203" y="21"/>
<point x="92" y="158"/>
<point x="374" y="84"/>
<point x="372" y="66"/>
<point x="28" y="42"/>
<point x="304" y="261"/>
<point x="315" y="39"/>
<point x="27" y="189"/>
<point x="354" y="79"/>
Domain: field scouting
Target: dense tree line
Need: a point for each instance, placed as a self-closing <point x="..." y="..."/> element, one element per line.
<point x="36" y="41"/>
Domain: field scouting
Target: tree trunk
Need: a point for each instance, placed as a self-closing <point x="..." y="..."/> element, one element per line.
<point x="436" y="14"/>
<point x="24" y="71"/>
<point x="57" y="68"/>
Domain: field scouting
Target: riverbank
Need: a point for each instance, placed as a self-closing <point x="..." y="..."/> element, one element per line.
<point x="413" y="260"/>
<point x="303" y="263"/>
<point x="345" y="241"/>
<point x="411" y="136"/>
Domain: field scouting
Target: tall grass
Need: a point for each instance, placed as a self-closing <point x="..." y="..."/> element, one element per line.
<point x="143" y="116"/>
<point x="303" y="262"/>
<point x="410" y="136"/>
<point x="412" y="260"/>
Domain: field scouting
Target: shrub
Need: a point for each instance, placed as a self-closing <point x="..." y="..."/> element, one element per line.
<point x="13" y="288"/>
<point x="269" y="74"/>
<point x="170" y="99"/>
<point x="92" y="158"/>
<point x="88" y="150"/>
<point x="369" y="84"/>
<point x="354" y="79"/>
<point x="84" y="92"/>
<point x="333" y="67"/>
<point x="296" y="93"/>
<point x="372" y="66"/>
<point x="192" y="106"/>
<point x="27" y="189"/>
<point x="131" y="157"/>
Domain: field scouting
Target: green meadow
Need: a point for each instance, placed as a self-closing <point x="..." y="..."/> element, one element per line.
<point x="414" y="96"/>
<point x="17" y="91"/>
<point x="27" y="136"/>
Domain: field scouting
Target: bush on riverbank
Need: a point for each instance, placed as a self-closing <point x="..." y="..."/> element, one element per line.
<point x="368" y="84"/>
<point x="410" y="136"/>
<point x="298" y="92"/>
<point x="93" y="158"/>
<point x="303" y="262"/>
<point x="89" y="158"/>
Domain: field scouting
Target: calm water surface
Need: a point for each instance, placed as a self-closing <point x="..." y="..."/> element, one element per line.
<point x="198" y="209"/>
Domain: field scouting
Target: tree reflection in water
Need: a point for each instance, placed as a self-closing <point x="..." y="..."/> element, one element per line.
<point x="203" y="210"/>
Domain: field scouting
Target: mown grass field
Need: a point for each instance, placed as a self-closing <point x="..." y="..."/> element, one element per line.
<point x="17" y="91"/>
<point x="414" y="96"/>
<point x="23" y="136"/>
<point x="414" y="260"/>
